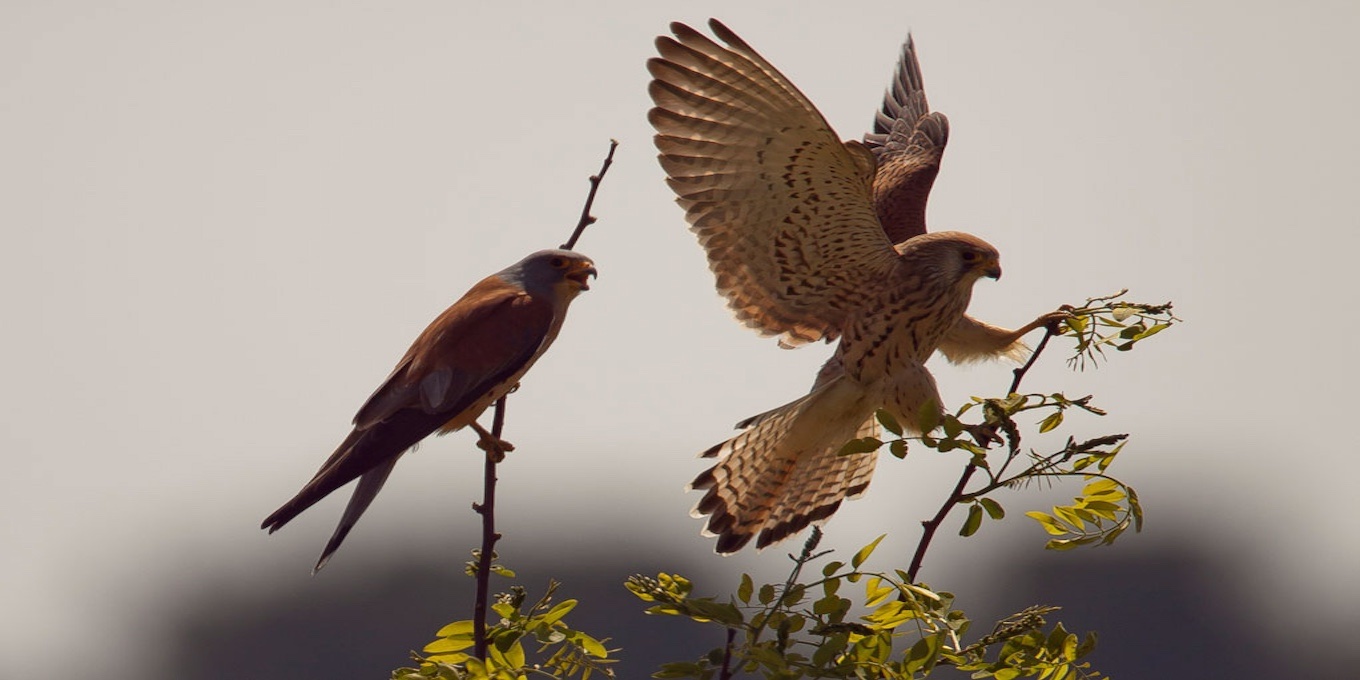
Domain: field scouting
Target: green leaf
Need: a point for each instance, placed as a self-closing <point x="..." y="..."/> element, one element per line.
<point x="898" y="448"/>
<point x="865" y="552"/>
<point x="446" y="645"/>
<point x="1052" y="421"/>
<point x="511" y="655"/>
<point x="865" y="445"/>
<point x="502" y="571"/>
<point x="974" y="521"/>
<point x="831" y="568"/>
<point x="888" y="422"/>
<point x="928" y="416"/>
<point x="590" y="645"/>
<point x="766" y="594"/>
<point x="556" y="613"/>
<point x="1102" y="487"/>
<point x="793" y="596"/>
<point x="456" y="628"/>
<point x="1047" y="522"/>
<point x="830" y="604"/>
<point x="745" y="589"/>
<point x="830" y="648"/>
<point x="923" y="654"/>
<point x="831" y="585"/>
<point x="993" y="508"/>
<point x="679" y="669"/>
<point x="1065" y="514"/>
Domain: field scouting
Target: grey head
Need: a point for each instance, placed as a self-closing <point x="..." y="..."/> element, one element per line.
<point x="552" y="272"/>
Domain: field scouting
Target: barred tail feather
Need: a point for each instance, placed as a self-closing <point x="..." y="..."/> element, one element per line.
<point x="783" y="472"/>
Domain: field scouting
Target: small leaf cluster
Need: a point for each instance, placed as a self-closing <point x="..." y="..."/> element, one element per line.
<point x="799" y="629"/>
<point x="1103" y="511"/>
<point x="1108" y="322"/>
<point x="566" y="652"/>
<point x="1098" y="519"/>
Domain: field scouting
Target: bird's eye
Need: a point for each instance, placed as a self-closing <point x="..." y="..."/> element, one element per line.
<point x="558" y="262"/>
<point x="970" y="256"/>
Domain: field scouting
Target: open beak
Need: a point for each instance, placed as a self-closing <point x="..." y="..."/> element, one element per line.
<point x="581" y="273"/>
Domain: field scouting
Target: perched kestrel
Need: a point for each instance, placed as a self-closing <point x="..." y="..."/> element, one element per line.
<point x="470" y="356"/>
<point x="800" y="230"/>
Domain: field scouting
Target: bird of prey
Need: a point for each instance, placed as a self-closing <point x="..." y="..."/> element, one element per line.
<point x="811" y="238"/>
<point x="471" y="355"/>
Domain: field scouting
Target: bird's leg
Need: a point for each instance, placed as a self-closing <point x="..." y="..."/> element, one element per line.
<point x="490" y="443"/>
<point x="1047" y="320"/>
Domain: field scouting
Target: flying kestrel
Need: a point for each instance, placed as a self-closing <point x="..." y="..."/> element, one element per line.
<point x="800" y="230"/>
<point x="470" y="356"/>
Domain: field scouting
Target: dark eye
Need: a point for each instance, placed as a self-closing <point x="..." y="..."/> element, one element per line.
<point x="558" y="262"/>
<point x="970" y="256"/>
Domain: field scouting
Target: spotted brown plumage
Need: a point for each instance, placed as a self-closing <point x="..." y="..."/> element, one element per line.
<point x="471" y="355"/>
<point x="800" y="228"/>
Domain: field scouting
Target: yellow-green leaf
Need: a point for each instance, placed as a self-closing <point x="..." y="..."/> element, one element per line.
<point x="1052" y="421"/>
<point x="888" y="422"/>
<point x="455" y="628"/>
<point x="745" y="589"/>
<point x="556" y="613"/>
<point x="974" y="521"/>
<point x="865" y="552"/>
<point x="864" y="445"/>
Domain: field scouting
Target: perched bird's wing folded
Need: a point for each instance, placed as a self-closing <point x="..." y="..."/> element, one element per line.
<point x="908" y="140"/>
<point x="782" y="206"/>
<point x="464" y="360"/>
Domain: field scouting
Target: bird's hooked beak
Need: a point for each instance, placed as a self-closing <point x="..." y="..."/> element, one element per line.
<point x="992" y="268"/>
<point x="581" y="272"/>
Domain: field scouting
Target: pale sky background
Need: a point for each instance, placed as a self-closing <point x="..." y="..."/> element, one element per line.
<point x="223" y="224"/>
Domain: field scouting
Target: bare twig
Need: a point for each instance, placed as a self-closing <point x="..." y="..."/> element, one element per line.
<point x="487" y="509"/>
<point x="586" y="218"/>
<point x="495" y="452"/>
<point x="930" y="526"/>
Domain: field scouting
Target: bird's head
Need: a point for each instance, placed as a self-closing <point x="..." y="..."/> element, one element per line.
<point x="564" y="272"/>
<point x="957" y="257"/>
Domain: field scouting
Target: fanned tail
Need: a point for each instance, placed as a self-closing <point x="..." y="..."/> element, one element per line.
<point x="784" y="471"/>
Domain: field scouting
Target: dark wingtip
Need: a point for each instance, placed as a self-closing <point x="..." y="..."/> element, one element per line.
<point x="729" y="543"/>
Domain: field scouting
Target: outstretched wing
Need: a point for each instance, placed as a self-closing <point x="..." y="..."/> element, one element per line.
<point x="782" y="206"/>
<point x="908" y="140"/>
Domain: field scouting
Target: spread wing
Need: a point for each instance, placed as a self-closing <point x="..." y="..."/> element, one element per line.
<point x="782" y="206"/>
<point x="908" y="140"/>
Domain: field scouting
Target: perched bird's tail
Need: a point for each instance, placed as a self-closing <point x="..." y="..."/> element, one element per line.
<point x="362" y="455"/>
<point x="784" y="471"/>
<point x="322" y="483"/>
<point x="370" y="483"/>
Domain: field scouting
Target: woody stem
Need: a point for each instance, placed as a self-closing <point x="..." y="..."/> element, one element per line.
<point x="487" y="509"/>
<point x="930" y="526"/>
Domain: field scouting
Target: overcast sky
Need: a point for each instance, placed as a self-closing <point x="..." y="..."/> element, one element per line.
<point x="223" y="224"/>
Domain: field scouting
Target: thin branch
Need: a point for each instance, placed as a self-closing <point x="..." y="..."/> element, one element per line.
<point x="586" y="218"/>
<point x="930" y="526"/>
<point x="726" y="672"/>
<point x="487" y="509"/>
<point x="1050" y="331"/>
